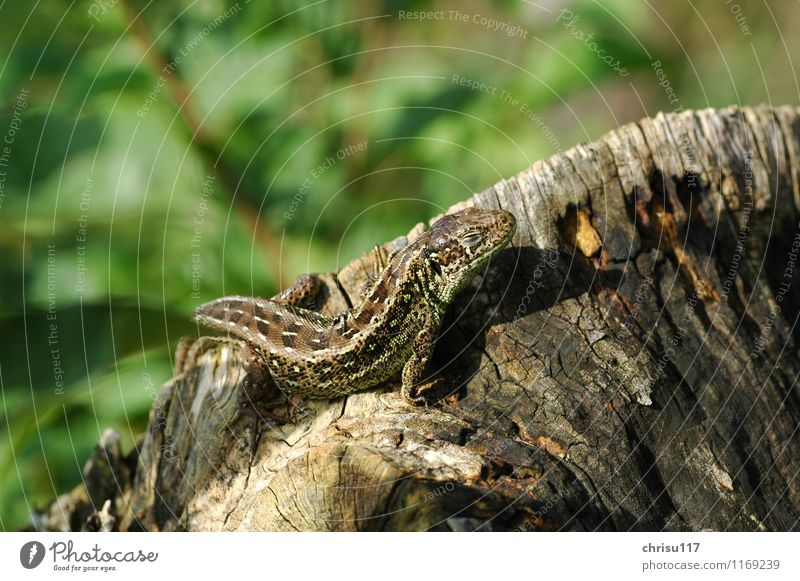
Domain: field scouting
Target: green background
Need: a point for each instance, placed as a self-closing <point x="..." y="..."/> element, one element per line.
<point x="131" y="107"/>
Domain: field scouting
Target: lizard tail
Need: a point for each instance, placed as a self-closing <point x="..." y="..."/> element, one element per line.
<point x="242" y="317"/>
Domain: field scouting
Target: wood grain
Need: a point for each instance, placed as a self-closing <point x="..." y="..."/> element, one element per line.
<point x="629" y="364"/>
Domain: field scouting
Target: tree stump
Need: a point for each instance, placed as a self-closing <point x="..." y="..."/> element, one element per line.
<point x="629" y="363"/>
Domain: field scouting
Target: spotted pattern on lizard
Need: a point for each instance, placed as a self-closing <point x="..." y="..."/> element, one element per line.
<point x="394" y="327"/>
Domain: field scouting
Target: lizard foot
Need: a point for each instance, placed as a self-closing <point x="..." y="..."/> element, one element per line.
<point x="259" y="395"/>
<point x="422" y="394"/>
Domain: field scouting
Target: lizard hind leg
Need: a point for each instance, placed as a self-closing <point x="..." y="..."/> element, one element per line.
<point x="301" y="293"/>
<point x="259" y="395"/>
<point x="245" y="320"/>
<point x="191" y="349"/>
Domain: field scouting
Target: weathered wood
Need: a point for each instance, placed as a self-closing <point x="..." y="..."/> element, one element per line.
<point x="629" y="364"/>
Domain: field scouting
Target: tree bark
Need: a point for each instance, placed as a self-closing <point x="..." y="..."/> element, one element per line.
<point x="628" y="364"/>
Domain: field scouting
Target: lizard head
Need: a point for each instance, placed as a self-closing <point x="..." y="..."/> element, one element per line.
<point x="459" y="244"/>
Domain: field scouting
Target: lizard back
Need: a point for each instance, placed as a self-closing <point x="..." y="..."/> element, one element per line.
<point x="306" y="350"/>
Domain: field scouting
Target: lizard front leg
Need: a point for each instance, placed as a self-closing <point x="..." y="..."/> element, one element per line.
<point x="415" y="369"/>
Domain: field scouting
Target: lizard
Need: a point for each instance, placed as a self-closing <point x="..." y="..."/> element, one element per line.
<point x="303" y="352"/>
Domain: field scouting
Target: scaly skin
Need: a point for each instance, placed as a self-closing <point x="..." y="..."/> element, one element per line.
<point x="395" y="326"/>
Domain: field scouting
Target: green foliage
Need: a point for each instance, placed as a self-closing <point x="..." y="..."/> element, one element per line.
<point x="172" y="152"/>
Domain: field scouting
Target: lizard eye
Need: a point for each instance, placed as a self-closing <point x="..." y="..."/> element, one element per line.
<point x="472" y="240"/>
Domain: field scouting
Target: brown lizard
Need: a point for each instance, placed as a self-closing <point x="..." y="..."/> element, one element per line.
<point x="304" y="352"/>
